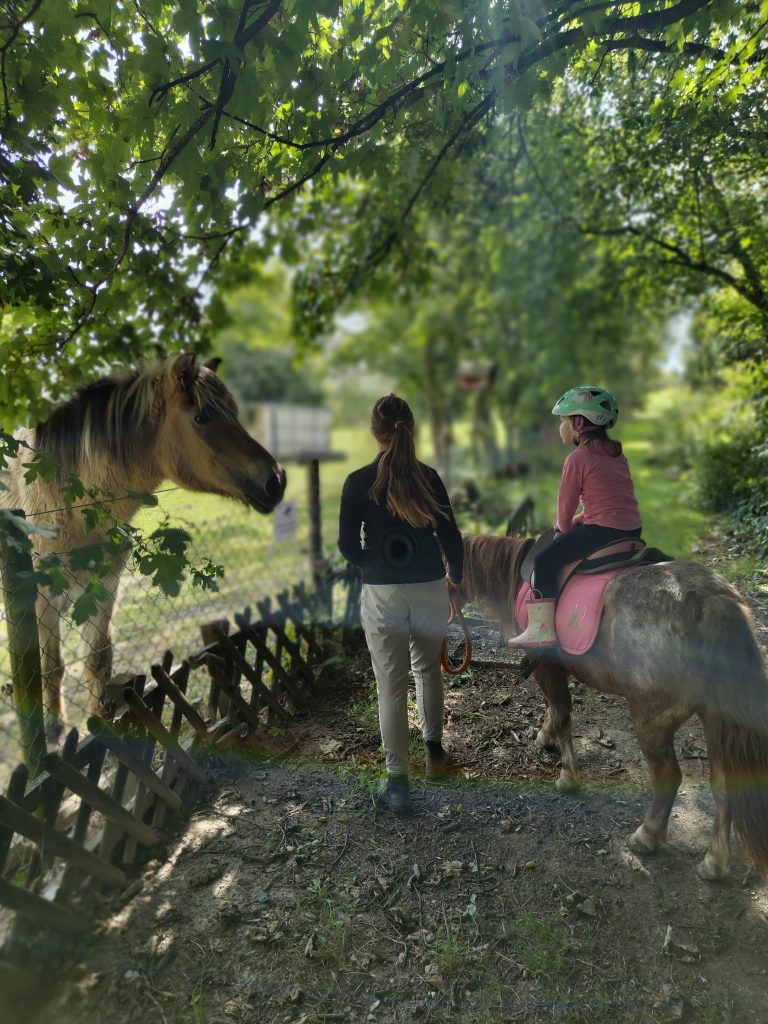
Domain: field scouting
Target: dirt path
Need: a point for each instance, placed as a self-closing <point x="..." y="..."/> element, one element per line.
<point x="289" y="898"/>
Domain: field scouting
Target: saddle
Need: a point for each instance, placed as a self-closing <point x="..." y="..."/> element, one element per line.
<point x="620" y="553"/>
<point x="581" y="588"/>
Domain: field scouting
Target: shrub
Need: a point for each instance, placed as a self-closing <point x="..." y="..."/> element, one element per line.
<point x="733" y="480"/>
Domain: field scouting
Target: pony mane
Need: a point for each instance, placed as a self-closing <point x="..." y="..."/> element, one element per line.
<point x="492" y="571"/>
<point x="114" y="419"/>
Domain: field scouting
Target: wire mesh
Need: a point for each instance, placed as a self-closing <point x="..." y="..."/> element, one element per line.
<point x="145" y="622"/>
<point x="241" y="541"/>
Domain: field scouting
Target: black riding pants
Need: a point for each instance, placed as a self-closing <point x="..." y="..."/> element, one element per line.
<point x="567" y="547"/>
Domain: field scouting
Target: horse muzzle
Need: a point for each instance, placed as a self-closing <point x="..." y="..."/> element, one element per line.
<point x="265" y="496"/>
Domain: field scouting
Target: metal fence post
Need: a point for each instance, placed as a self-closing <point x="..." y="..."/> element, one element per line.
<point x="20" y="595"/>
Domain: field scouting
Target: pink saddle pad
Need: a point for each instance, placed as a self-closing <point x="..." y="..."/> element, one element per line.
<point x="578" y="613"/>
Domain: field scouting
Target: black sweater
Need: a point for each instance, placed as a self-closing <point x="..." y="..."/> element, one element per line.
<point x="392" y="551"/>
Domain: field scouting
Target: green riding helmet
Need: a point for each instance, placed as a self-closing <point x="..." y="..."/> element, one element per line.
<point x="595" y="404"/>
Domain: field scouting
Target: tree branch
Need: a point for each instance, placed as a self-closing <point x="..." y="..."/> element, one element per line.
<point x="657" y="46"/>
<point x="247" y="35"/>
<point x="229" y="74"/>
<point x="243" y="37"/>
<point x="652" y="21"/>
<point x="159" y="92"/>
<point x="145" y="18"/>
<point x="755" y="296"/>
<point x="683" y="259"/>
<point x="466" y="125"/>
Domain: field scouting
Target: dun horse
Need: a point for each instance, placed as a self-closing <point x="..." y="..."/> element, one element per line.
<point x="675" y="640"/>
<point x="177" y="422"/>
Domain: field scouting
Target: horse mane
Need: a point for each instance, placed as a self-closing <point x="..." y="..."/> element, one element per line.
<point x="114" y="419"/>
<point x="492" y="571"/>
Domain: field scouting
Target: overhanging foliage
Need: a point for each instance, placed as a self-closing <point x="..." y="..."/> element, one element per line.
<point x="142" y="145"/>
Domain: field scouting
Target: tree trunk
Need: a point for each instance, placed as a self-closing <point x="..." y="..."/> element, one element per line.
<point x="438" y="419"/>
<point x="484" y="433"/>
<point x="16" y="570"/>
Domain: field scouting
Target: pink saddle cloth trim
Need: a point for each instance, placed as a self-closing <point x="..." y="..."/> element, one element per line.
<point x="579" y="610"/>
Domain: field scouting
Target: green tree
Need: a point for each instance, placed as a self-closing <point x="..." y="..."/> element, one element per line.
<point x="679" y="181"/>
<point x="143" y="146"/>
<point x="255" y="339"/>
<point x="502" y="278"/>
<point x="268" y="375"/>
<point x="666" y="162"/>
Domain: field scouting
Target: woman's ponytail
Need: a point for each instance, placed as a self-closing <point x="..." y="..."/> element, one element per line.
<point x="400" y="480"/>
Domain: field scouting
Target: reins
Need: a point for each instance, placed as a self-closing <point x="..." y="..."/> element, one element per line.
<point x="445" y="661"/>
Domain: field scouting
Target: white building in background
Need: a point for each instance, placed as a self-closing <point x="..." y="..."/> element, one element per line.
<point x="291" y="431"/>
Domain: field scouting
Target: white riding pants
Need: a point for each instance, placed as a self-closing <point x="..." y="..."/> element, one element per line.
<point x="405" y="627"/>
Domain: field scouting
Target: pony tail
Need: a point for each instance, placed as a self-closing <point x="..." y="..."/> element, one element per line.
<point x="736" y="718"/>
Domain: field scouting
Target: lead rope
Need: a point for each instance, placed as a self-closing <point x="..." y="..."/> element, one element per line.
<point x="445" y="661"/>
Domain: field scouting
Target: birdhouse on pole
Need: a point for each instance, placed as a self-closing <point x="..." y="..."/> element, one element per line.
<point x="473" y="375"/>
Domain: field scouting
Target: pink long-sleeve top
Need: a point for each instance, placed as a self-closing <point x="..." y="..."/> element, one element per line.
<point x="601" y="482"/>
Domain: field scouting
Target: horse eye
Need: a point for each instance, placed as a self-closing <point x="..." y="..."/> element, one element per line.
<point x="202" y="417"/>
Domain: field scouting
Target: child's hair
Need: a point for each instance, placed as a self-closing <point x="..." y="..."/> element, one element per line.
<point x="400" y="476"/>
<point x="598" y="436"/>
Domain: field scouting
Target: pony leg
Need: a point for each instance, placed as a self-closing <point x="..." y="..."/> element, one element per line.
<point x="553" y="681"/>
<point x="656" y="736"/>
<point x="49" y="611"/>
<point x="98" y="640"/>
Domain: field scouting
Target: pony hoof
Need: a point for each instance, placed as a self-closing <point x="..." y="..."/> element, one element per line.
<point x="641" y="842"/>
<point x="544" y="742"/>
<point x="567" y="784"/>
<point x="711" y="870"/>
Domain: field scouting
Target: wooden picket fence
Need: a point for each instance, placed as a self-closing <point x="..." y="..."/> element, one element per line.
<point x="102" y="801"/>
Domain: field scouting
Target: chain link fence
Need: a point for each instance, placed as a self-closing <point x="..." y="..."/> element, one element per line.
<point x="145" y="622"/>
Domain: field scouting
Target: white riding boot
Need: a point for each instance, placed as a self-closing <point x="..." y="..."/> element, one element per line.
<point x="540" y="631"/>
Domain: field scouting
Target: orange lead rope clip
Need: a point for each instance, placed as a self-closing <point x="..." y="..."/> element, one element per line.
<point x="445" y="663"/>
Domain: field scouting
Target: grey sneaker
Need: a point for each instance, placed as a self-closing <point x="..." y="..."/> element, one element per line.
<point x="439" y="762"/>
<point x="394" y="793"/>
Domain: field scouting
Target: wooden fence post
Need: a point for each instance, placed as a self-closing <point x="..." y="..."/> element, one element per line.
<point x="218" y="701"/>
<point x="315" y="534"/>
<point x="23" y="642"/>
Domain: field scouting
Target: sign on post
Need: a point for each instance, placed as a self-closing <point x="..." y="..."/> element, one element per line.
<point x="299" y="434"/>
<point x="284" y="518"/>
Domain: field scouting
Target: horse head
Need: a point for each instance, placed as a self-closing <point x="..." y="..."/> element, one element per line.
<point x="201" y="444"/>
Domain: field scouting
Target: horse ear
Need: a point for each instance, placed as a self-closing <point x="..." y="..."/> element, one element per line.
<point x="213" y="364"/>
<point x="184" y="369"/>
